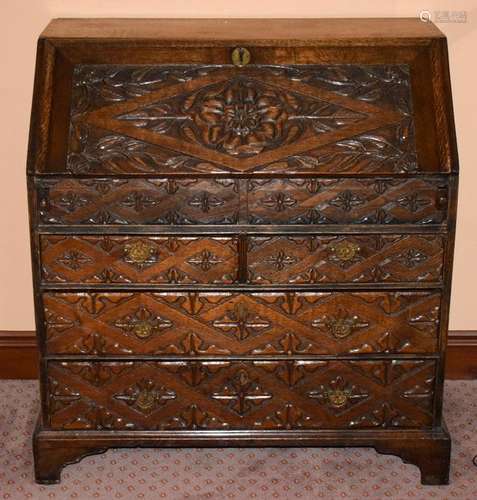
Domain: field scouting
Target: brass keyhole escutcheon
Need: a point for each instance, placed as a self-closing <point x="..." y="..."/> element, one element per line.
<point x="146" y="399"/>
<point x="241" y="56"/>
<point x="345" y="250"/>
<point x="143" y="329"/>
<point x="338" y="398"/>
<point x="139" y="252"/>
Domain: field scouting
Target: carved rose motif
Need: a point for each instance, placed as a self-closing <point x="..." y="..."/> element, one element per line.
<point x="242" y="119"/>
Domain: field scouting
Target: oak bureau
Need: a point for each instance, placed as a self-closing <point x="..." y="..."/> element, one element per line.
<point x="242" y="235"/>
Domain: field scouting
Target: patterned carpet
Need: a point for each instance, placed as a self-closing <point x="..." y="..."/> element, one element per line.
<point x="233" y="473"/>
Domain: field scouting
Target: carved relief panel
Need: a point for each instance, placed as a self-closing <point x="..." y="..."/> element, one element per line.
<point x="374" y="258"/>
<point x="138" y="201"/>
<point x="254" y="201"/>
<point x="226" y="395"/>
<point x="134" y="259"/>
<point x="192" y="324"/>
<point x="215" y="119"/>
<point x="347" y="201"/>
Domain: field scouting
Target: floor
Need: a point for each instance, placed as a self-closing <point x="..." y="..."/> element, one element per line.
<point x="233" y="473"/>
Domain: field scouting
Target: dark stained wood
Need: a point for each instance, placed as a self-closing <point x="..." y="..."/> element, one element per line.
<point x="345" y="259"/>
<point x="461" y="356"/>
<point x="347" y="201"/>
<point x="154" y="259"/>
<point x="54" y="449"/>
<point x="192" y="324"/>
<point x="138" y="201"/>
<point x="337" y="118"/>
<point x="229" y="395"/>
<point x="261" y="249"/>
<point x="231" y="201"/>
<point x="19" y="355"/>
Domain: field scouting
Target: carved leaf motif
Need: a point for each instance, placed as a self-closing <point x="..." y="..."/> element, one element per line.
<point x="205" y="260"/>
<point x="193" y="345"/>
<point x="288" y="418"/>
<point x="195" y="419"/>
<point x="97" y="344"/>
<point x="98" y="418"/>
<point x="242" y="393"/>
<point x="241" y="117"/>
<point x="194" y="372"/>
<point x="241" y="322"/>
<point x="288" y="345"/>
<point x="97" y="374"/>
<point x="74" y="260"/>
<point x="385" y="416"/>
<point x="60" y="396"/>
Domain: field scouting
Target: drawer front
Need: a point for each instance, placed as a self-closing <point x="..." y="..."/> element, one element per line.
<point x="191" y="324"/>
<point x="345" y="118"/>
<point x="138" y="201"/>
<point x="392" y="258"/>
<point x="224" y="395"/>
<point x="347" y="201"/>
<point x="139" y="259"/>
<point x="228" y="201"/>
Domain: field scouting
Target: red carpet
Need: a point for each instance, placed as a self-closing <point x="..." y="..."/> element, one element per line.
<point x="233" y="473"/>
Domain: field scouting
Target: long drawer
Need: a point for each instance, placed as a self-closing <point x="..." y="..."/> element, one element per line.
<point x="218" y="201"/>
<point x="271" y="260"/>
<point x="225" y="395"/>
<point x="191" y="324"/>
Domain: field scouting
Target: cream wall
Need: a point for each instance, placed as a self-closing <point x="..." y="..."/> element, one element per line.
<point x="22" y="21"/>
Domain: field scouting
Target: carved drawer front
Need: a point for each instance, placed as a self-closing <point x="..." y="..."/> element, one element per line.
<point x="191" y="324"/>
<point x="138" y="201"/>
<point x="347" y="201"/>
<point x="374" y="258"/>
<point x="134" y="259"/>
<point x="224" y="395"/>
<point x="344" y="118"/>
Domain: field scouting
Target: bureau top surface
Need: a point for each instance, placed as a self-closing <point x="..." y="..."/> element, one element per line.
<point x="264" y="31"/>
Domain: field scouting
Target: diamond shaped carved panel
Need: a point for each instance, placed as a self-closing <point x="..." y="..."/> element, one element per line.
<point x="293" y="324"/>
<point x="211" y="119"/>
<point x="388" y="258"/>
<point x="133" y="259"/>
<point x="238" y="395"/>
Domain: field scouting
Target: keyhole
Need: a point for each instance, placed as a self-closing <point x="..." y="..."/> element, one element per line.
<point x="241" y="56"/>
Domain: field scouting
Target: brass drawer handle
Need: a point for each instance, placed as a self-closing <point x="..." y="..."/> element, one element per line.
<point x="241" y="56"/>
<point x="139" y="253"/>
<point x="338" y="397"/>
<point x="345" y="251"/>
<point x="341" y="328"/>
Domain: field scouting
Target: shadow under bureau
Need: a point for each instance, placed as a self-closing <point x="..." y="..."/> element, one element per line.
<point x="242" y="235"/>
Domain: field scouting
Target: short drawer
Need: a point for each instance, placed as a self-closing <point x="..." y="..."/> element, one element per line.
<point x="371" y="258"/>
<point x="221" y="395"/>
<point x="139" y="259"/>
<point x="347" y="201"/>
<point x="137" y="201"/>
<point x="192" y="324"/>
<point x="224" y="201"/>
